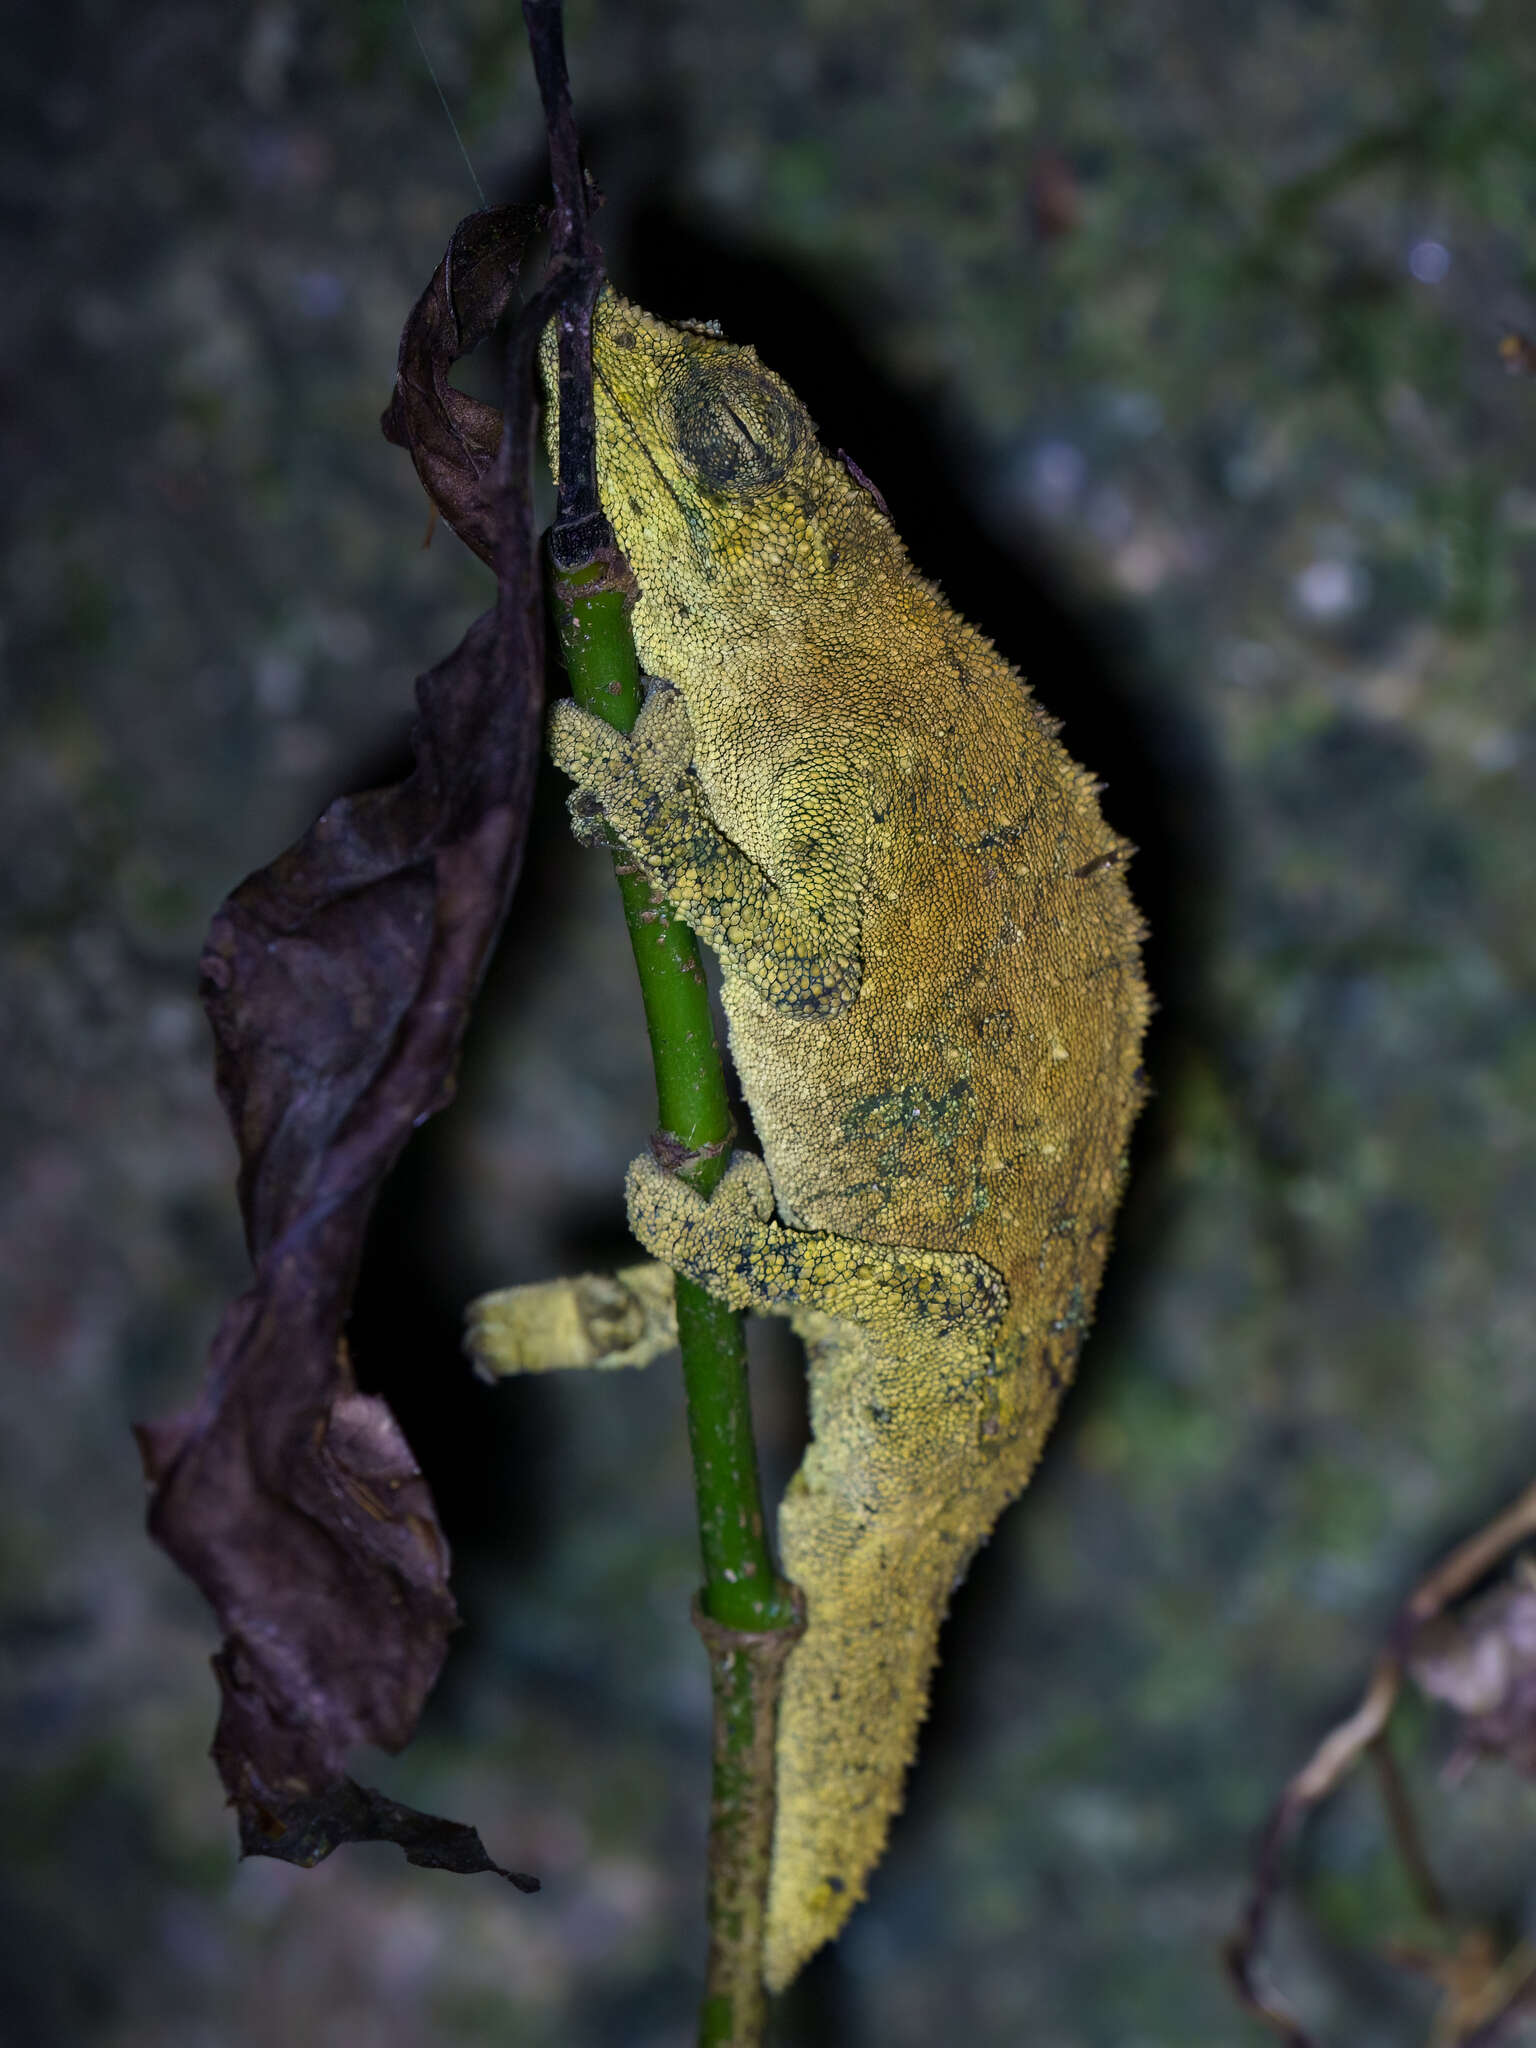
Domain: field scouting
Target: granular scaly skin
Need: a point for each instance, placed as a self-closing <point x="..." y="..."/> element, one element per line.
<point x="930" y="970"/>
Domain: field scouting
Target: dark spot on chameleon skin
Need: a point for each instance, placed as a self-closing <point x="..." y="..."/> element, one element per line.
<point x="816" y="1003"/>
<point x="624" y="341"/>
<point x="901" y="1121"/>
<point x="1005" y="835"/>
<point x="835" y="1884"/>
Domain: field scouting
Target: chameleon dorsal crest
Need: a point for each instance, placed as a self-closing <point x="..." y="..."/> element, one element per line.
<point x="930" y="970"/>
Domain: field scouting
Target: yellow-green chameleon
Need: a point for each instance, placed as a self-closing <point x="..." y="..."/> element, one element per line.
<point x="929" y="963"/>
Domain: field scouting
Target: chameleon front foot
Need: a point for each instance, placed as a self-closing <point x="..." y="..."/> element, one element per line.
<point x="800" y="952"/>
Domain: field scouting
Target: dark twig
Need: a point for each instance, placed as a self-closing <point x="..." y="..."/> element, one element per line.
<point x="1519" y="1999"/>
<point x="1404" y="1823"/>
<point x="580" y="529"/>
<point x="1340" y="1750"/>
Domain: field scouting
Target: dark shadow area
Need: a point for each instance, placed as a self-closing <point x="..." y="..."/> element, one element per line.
<point x="491" y="1454"/>
<point x="817" y="2010"/>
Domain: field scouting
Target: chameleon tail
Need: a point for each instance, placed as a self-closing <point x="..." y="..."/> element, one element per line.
<point x="855" y="1693"/>
<point x="876" y="1539"/>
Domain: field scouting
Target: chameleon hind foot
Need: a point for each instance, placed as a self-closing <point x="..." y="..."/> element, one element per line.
<point x="607" y="1320"/>
<point x="732" y="1247"/>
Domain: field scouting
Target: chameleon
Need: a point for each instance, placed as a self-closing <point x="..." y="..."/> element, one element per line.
<point x="930" y="970"/>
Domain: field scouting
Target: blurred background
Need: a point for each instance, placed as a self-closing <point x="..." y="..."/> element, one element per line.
<point x="1172" y="333"/>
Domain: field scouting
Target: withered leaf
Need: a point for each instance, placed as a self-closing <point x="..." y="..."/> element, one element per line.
<point x="338" y="983"/>
<point x="306" y="1831"/>
<point x="1482" y="1662"/>
<point x="452" y="437"/>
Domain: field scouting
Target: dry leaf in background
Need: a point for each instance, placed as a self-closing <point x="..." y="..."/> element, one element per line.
<point x="338" y="983"/>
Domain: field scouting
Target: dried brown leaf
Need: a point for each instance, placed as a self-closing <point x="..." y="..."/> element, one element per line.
<point x="452" y="437"/>
<point x="338" y="983"/>
<point x="1482" y="1662"/>
<point x="1485" y="1670"/>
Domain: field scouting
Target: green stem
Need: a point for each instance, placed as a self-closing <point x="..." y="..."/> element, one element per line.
<point x="749" y="1619"/>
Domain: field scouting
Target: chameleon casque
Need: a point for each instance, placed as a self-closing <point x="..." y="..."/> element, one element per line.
<point x="929" y="964"/>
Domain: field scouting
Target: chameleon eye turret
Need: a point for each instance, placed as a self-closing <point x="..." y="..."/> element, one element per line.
<point x="734" y="428"/>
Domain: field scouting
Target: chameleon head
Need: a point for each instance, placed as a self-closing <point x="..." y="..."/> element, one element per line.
<point x="709" y="468"/>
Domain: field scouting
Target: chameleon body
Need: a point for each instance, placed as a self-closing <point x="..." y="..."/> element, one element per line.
<point x="930" y="970"/>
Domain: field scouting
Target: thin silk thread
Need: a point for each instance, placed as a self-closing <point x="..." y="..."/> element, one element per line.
<point x="432" y="74"/>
